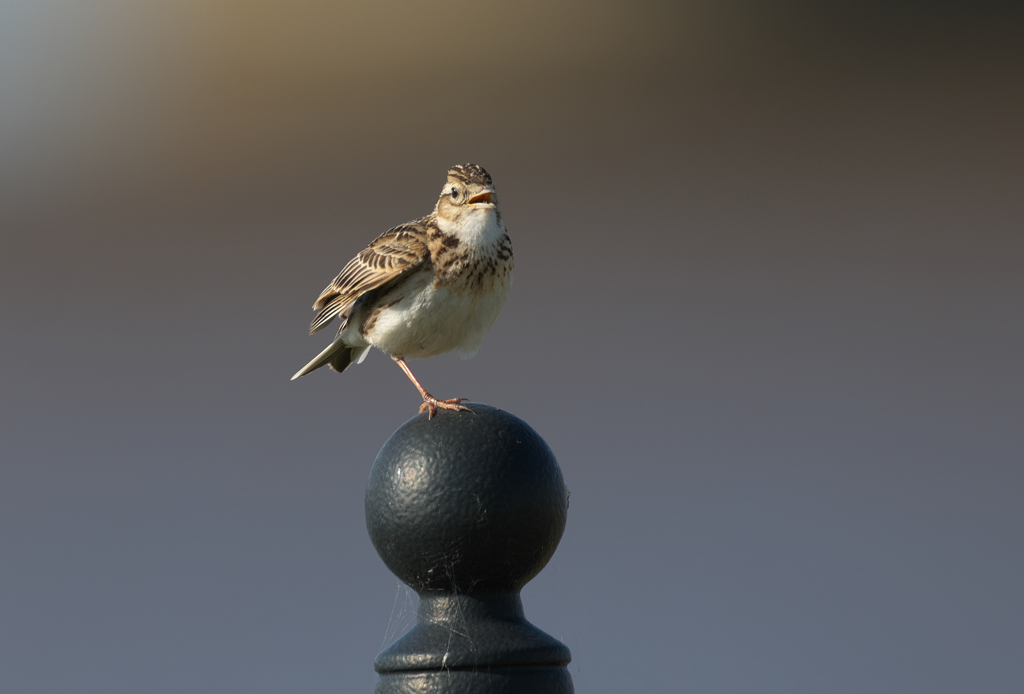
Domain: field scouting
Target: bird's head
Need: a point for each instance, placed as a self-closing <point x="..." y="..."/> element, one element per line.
<point x="468" y="191"/>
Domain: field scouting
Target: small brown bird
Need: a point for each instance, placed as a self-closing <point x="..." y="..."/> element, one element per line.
<point x="424" y="288"/>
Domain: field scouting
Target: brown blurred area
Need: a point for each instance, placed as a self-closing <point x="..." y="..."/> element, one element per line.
<point x="203" y="90"/>
<point x="178" y="94"/>
<point x="767" y="312"/>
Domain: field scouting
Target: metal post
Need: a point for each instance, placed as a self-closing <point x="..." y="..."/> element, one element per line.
<point x="466" y="508"/>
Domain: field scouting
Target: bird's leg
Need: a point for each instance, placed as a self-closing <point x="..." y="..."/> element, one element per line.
<point x="430" y="403"/>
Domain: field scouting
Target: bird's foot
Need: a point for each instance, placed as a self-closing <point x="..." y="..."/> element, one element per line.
<point x="430" y="405"/>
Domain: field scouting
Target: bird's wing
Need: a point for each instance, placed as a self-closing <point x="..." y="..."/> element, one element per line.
<point x="391" y="255"/>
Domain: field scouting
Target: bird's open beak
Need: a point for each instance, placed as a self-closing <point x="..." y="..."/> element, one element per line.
<point x="484" y="197"/>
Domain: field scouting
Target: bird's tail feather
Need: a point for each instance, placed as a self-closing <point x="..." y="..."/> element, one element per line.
<point x="338" y="355"/>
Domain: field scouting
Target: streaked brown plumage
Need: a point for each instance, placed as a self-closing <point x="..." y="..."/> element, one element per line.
<point x="423" y="288"/>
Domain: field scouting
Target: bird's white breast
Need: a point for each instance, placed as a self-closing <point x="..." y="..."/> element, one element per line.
<point x="431" y="319"/>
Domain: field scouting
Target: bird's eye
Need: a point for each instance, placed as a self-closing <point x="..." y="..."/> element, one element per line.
<point x="455" y="193"/>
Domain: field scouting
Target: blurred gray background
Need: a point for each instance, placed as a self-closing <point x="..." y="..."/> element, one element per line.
<point x="768" y="312"/>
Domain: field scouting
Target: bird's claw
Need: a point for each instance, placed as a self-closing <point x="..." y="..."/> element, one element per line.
<point x="430" y="405"/>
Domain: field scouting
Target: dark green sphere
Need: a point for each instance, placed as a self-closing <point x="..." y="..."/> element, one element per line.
<point x="466" y="502"/>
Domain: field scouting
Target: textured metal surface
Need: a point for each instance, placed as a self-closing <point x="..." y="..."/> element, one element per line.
<point x="466" y="509"/>
<point x="499" y="681"/>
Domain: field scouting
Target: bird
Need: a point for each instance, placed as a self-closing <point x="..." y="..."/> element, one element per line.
<point x="423" y="288"/>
